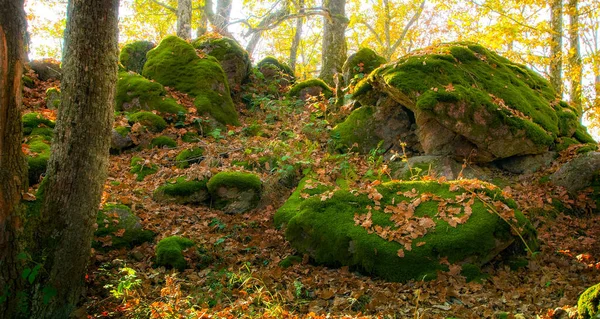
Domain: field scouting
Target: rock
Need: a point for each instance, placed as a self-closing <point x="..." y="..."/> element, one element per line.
<point x="340" y="230"/>
<point x="234" y="60"/>
<point x="182" y="191"/>
<point x="136" y="93"/>
<point x="122" y="226"/>
<point x="310" y="88"/>
<point x="527" y="164"/>
<point x="588" y="305"/>
<point x="235" y="192"/>
<point x="53" y="98"/>
<point x="189" y="156"/>
<point x="151" y="121"/>
<point x="497" y="109"/>
<point x="437" y="166"/>
<point x="120" y="139"/>
<point x="133" y="55"/>
<point x="169" y="252"/>
<point x="37" y="159"/>
<point x="360" y="64"/>
<point x="163" y="142"/>
<point x="275" y="71"/>
<point x="579" y="173"/>
<point x="46" y="69"/>
<point x="174" y="63"/>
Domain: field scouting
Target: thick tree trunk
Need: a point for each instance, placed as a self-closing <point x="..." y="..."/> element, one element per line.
<point x="202" y="22"/>
<point x="222" y="17"/>
<point x="334" y="40"/>
<point x="12" y="163"/>
<point x="184" y="19"/>
<point x="297" y="37"/>
<point x="78" y="165"/>
<point x="556" y="27"/>
<point x="575" y="63"/>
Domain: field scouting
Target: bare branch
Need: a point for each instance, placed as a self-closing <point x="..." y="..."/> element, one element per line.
<point x="407" y="27"/>
<point x="174" y="10"/>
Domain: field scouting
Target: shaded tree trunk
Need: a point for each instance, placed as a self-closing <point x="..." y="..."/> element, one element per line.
<point x="202" y="22"/>
<point x="575" y="63"/>
<point x="556" y="27"/>
<point x="222" y="17"/>
<point x="297" y="37"/>
<point x="184" y="19"/>
<point x="12" y="162"/>
<point x="77" y="168"/>
<point x="334" y="40"/>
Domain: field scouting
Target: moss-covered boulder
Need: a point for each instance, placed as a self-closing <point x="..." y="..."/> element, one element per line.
<point x="31" y="121"/>
<point x="275" y="72"/>
<point x="400" y="231"/>
<point x="469" y="102"/>
<point x="588" y="305"/>
<point x="234" y="60"/>
<point x="53" y="98"/>
<point x="188" y="157"/>
<point x="175" y="63"/>
<point x="119" y="227"/>
<point x="120" y="139"/>
<point x="163" y="142"/>
<point x="37" y="158"/>
<point x="235" y="192"/>
<point x="151" y="121"/>
<point x="360" y="64"/>
<point x="46" y="69"/>
<point x="182" y="191"/>
<point x="310" y="88"/>
<point x="133" y="55"/>
<point x="169" y="252"/>
<point x="142" y="168"/>
<point x="136" y="93"/>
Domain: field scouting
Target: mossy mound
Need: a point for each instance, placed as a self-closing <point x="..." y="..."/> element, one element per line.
<point x="234" y="60"/>
<point x="163" y="141"/>
<point x="169" y="252"/>
<point x="34" y="120"/>
<point x="273" y="74"/>
<point x="135" y="93"/>
<point x="401" y="230"/>
<point x="588" y="305"/>
<point x="312" y="87"/>
<point x="182" y="191"/>
<point x="235" y="192"/>
<point x="28" y="82"/>
<point x="119" y="227"/>
<point x="272" y="61"/>
<point x="360" y="64"/>
<point x="141" y="168"/>
<point x="174" y="63"/>
<point x="53" y="98"/>
<point x="37" y="160"/>
<point x="189" y="156"/>
<point x="133" y="55"/>
<point x="151" y="121"/>
<point x="472" y="98"/>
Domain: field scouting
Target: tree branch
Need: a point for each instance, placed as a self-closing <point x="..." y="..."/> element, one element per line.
<point x="407" y="27"/>
<point x="174" y="10"/>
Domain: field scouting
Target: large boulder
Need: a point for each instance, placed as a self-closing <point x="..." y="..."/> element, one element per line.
<point x="400" y="231"/>
<point x="175" y="63"/>
<point x="469" y="102"/>
<point x="182" y="191"/>
<point x="360" y="64"/>
<point x="136" y="93"/>
<point x="588" y="305"/>
<point x="578" y="174"/>
<point x="234" y="60"/>
<point x="133" y="55"/>
<point x="276" y="72"/>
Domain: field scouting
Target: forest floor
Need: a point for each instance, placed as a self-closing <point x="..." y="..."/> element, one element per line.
<point x="242" y="277"/>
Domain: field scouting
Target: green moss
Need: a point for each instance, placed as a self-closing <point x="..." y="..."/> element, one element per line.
<point x="53" y="98"/>
<point x="587" y="148"/>
<point x="270" y="60"/>
<point x="290" y="261"/>
<point x="190" y="137"/>
<point x="133" y="55"/>
<point x="123" y="130"/>
<point x="153" y="122"/>
<point x="588" y="305"/>
<point x="327" y="231"/>
<point x="121" y="224"/>
<point x="564" y="142"/>
<point x="46" y="132"/>
<point x="162" y="141"/>
<point x="239" y="180"/>
<point x="582" y="135"/>
<point x="241" y="191"/>
<point x="222" y="48"/>
<point x="169" y="252"/>
<point x="360" y="64"/>
<point x="139" y="167"/>
<point x="356" y="129"/>
<point x="182" y="191"/>
<point x="189" y="156"/>
<point x="34" y="120"/>
<point x="28" y="82"/>
<point x="37" y="161"/>
<point x="135" y="92"/>
<point x="174" y="63"/>
<point x="295" y="90"/>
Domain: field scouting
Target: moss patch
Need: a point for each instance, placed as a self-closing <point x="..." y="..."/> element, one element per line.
<point x="356" y="131"/>
<point x="270" y="60"/>
<point x="234" y="179"/>
<point x="235" y="192"/>
<point x="37" y="160"/>
<point x="151" y="121"/>
<point x="133" y="55"/>
<point x="169" y="252"/>
<point x="120" y="224"/>
<point x="53" y="98"/>
<point x="588" y="305"/>
<point x="182" y="191"/>
<point x="141" y="168"/>
<point x="360" y="64"/>
<point x="163" y="141"/>
<point x="175" y="63"/>
<point x="298" y="87"/>
<point x="189" y="156"/>
<point x="35" y="120"/>
<point x="135" y="93"/>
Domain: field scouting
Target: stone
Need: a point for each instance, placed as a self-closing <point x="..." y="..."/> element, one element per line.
<point x="121" y="226"/>
<point x="527" y="164"/>
<point x="46" y="69"/>
<point x="235" y="192"/>
<point x="579" y="173"/>
<point x="360" y="64"/>
<point x="133" y="55"/>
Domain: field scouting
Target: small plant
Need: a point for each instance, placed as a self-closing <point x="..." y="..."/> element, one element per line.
<point x="125" y="285"/>
<point x="298" y="287"/>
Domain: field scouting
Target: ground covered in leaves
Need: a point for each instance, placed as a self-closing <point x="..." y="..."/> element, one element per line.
<point x="237" y="272"/>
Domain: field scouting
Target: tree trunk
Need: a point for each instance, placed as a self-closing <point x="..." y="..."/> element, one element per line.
<point x="12" y="162"/>
<point x="297" y="37"/>
<point x="184" y="19"/>
<point x="202" y="22"/>
<point x="575" y="63"/>
<point x="556" y="27"/>
<point x="223" y="14"/>
<point x="334" y="40"/>
<point x="77" y="168"/>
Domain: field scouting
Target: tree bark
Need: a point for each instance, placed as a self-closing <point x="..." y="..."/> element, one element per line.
<point x="556" y="28"/>
<point x="575" y="63"/>
<point x="77" y="168"/>
<point x="223" y="15"/>
<point x="13" y="168"/>
<point x="184" y="19"/>
<point x="334" y="40"/>
<point x="297" y="37"/>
